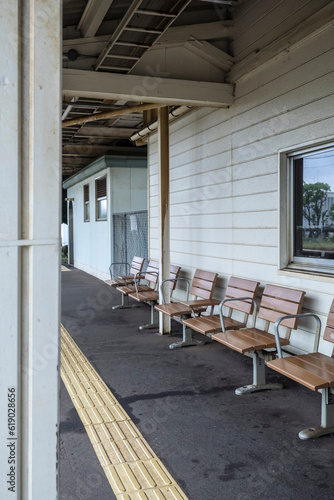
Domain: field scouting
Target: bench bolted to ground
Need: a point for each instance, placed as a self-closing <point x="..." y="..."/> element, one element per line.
<point x="315" y="371"/>
<point x="276" y="302"/>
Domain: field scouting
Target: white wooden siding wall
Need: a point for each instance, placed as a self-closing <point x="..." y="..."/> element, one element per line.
<point x="224" y="173"/>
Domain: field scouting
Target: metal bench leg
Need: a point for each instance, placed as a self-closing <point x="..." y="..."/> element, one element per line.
<point x="259" y="378"/>
<point x="154" y="319"/>
<point x="187" y="339"/>
<point x="125" y="303"/>
<point x="327" y="418"/>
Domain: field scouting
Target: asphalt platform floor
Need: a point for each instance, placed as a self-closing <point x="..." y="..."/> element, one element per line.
<point x="215" y="444"/>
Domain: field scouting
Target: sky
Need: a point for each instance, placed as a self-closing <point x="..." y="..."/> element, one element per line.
<point x="319" y="168"/>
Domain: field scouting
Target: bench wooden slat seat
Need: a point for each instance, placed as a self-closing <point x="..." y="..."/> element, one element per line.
<point x="145" y="295"/>
<point x="175" y="309"/>
<point x="127" y="289"/>
<point x="306" y="374"/>
<point x="208" y="324"/>
<point x="127" y="280"/>
<point x="321" y="360"/>
<point x="314" y="371"/>
<point x="202" y="288"/>
<point x="200" y="303"/>
<point x="132" y="270"/>
<point x="186" y="307"/>
<point x="276" y="302"/>
<point x="248" y="339"/>
<point x="151" y="277"/>
<point x="237" y="289"/>
<point x="151" y="296"/>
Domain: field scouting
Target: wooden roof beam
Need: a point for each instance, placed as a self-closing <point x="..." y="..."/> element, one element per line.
<point x="202" y="31"/>
<point x="210" y="53"/>
<point x="109" y="114"/>
<point x="74" y="149"/>
<point x="93" y="16"/>
<point x="105" y="133"/>
<point x="146" y="89"/>
<point x="229" y="3"/>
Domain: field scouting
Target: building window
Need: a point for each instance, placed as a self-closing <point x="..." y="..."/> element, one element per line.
<point x="86" y="202"/>
<point x="101" y="198"/>
<point x="312" y="210"/>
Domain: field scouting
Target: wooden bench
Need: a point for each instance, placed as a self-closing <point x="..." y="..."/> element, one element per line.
<point x="313" y="370"/>
<point x="201" y="287"/>
<point x="151" y="297"/>
<point x="240" y="296"/>
<point x="276" y="302"/>
<point x="131" y="270"/>
<point x="151" y="277"/>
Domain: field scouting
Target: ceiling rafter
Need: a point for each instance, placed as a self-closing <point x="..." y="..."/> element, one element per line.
<point x="93" y="16"/>
<point x="210" y="53"/>
<point x="110" y="114"/>
<point x="230" y="3"/>
<point x="104" y="132"/>
<point x="168" y="91"/>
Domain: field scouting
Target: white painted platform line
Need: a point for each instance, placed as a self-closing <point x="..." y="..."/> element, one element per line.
<point x="63" y="268"/>
<point x="133" y="469"/>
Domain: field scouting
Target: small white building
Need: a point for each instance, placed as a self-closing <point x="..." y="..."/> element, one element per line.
<point x="107" y="213"/>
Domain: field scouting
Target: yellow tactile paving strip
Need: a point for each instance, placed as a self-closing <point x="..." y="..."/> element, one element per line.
<point x="131" y="466"/>
<point x="63" y="268"/>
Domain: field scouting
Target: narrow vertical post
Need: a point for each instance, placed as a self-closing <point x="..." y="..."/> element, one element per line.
<point x="30" y="35"/>
<point x="70" y="234"/>
<point x="164" y="224"/>
<point x="125" y="239"/>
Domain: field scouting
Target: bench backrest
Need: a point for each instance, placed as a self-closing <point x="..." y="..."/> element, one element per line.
<point x="239" y="287"/>
<point x="203" y="284"/>
<point x="152" y="272"/>
<point x="174" y="272"/>
<point x="329" y="330"/>
<point x="136" y="265"/>
<point x="278" y="301"/>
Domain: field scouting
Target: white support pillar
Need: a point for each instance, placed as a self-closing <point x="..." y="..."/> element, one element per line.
<point x="29" y="248"/>
<point x="164" y="225"/>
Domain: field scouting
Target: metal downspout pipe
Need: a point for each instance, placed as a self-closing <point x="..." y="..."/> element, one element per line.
<point x="152" y="127"/>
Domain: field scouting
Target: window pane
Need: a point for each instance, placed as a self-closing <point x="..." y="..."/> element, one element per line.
<point x="102" y="209"/>
<point x="86" y="211"/>
<point x="314" y="205"/>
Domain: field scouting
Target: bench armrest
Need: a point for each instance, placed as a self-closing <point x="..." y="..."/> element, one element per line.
<point x="174" y="279"/>
<point x="221" y="305"/>
<point x="200" y="302"/>
<point x="117" y="264"/>
<point x="139" y="276"/>
<point x="301" y="315"/>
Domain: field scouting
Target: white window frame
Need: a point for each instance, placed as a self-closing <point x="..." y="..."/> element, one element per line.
<point x="287" y="260"/>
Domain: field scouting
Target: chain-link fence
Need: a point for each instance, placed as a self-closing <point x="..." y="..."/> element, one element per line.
<point x="130" y="237"/>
